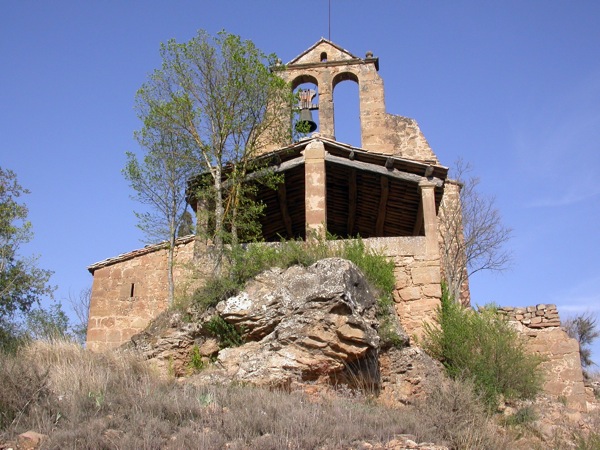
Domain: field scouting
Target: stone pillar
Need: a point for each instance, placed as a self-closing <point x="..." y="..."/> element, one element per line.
<point x="315" y="190"/>
<point x="326" y="115"/>
<point x="427" y="188"/>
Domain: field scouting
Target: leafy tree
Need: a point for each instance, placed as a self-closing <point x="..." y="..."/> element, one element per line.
<point x="49" y="323"/>
<point x="473" y="237"/>
<point x="217" y="97"/>
<point x="22" y="283"/>
<point x="584" y="328"/>
<point x="159" y="181"/>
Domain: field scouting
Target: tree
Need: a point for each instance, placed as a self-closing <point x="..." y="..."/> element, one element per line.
<point x="47" y="324"/>
<point x="584" y="328"/>
<point x="218" y="96"/>
<point x="160" y="181"/>
<point x="81" y="307"/>
<point x="22" y="283"/>
<point x="473" y="237"/>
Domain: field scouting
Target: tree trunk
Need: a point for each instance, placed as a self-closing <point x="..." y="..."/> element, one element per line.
<point x="218" y="242"/>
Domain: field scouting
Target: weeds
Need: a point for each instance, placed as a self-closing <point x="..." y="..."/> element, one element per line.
<point x="196" y="363"/>
<point x="523" y="416"/>
<point x="227" y="334"/>
<point x="85" y="400"/>
<point x="483" y="347"/>
<point x="456" y="415"/>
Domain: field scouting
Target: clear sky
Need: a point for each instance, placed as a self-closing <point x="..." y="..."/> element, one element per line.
<point x="512" y="87"/>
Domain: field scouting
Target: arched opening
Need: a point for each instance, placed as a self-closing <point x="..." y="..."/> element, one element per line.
<point x="347" y="109"/>
<point x="323" y="57"/>
<point x="307" y="89"/>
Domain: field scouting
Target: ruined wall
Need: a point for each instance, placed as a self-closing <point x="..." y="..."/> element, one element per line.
<point x="562" y="366"/>
<point x="127" y="294"/>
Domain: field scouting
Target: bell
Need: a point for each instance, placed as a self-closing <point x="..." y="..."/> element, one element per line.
<point x="305" y="122"/>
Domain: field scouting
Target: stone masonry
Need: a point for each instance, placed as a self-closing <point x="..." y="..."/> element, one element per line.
<point x="539" y="316"/>
<point x="540" y="324"/>
<point x="325" y="64"/>
<point x="130" y="290"/>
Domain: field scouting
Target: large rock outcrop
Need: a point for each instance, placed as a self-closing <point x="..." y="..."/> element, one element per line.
<point x="303" y="323"/>
<point x="298" y="324"/>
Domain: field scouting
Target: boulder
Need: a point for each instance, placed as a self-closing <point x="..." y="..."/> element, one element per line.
<point x="303" y="323"/>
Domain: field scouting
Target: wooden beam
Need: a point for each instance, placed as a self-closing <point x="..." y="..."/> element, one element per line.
<point x="383" y="198"/>
<point x="419" y="223"/>
<point x="282" y="198"/>
<point x="352" y="196"/>
<point x="373" y="168"/>
<point x="283" y="167"/>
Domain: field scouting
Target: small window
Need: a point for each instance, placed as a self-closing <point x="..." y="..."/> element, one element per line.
<point x="132" y="290"/>
<point x="323" y="57"/>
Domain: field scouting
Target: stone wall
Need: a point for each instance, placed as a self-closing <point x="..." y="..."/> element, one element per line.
<point x="538" y="316"/>
<point x="131" y="290"/>
<point x="418" y="290"/>
<point x="540" y="324"/>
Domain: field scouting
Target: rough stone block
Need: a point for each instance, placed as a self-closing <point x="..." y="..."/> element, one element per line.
<point x="114" y="336"/>
<point x="432" y="290"/>
<point x="410" y="293"/>
<point x="96" y="335"/>
<point x="425" y="275"/>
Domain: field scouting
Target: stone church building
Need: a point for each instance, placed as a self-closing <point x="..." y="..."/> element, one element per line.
<point x="388" y="191"/>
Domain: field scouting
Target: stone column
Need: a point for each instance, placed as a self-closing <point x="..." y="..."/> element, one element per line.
<point x="326" y="125"/>
<point x="427" y="188"/>
<point x="315" y="190"/>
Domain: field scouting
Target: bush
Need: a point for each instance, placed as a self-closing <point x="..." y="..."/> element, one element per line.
<point x="483" y="347"/>
<point x="455" y="415"/>
<point x="227" y="334"/>
<point x="247" y="261"/>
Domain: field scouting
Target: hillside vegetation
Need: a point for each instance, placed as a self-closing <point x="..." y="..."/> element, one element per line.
<point x="85" y="400"/>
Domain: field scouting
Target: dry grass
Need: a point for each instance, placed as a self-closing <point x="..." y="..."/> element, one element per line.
<point x="85" y="400"/>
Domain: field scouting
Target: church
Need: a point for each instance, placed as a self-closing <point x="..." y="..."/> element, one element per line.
<point x="389" y="191"/>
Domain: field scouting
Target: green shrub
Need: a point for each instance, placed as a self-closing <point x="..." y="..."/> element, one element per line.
<point x="196" y="363"/>
<point x="523" y="416"/>
<point x="378" y="269"/>
<point x="227" y="334"/>
<point x="214" y="290"/>
<point x="247" y="261"/>
<point x="482" y="346"/>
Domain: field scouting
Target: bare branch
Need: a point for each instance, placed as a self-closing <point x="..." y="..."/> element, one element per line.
<point x="472" y="234"/>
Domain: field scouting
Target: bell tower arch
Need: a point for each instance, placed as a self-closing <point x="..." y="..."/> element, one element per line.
<point x="325" y="65"/>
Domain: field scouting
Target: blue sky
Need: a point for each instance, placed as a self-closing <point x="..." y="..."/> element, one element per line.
<point x="512" y="87"/>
